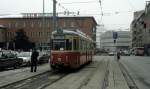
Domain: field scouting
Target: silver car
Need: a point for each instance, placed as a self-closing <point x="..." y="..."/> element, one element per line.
<point x="26" y="56"/>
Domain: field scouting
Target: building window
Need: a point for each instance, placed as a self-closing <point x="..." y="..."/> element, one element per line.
<point x="16" y="24"/>
<point x="72" y="24"/>
<point x="64" y="24"/>
<point x="35" y="34"/>
<point x="8" y="34"/>
<point x="31" y="34"/>
<point x="24" y="24"/>
<point x="68" y="23"/>
<point x="32" y="24"/>
<point x="39" y="34"/>
<point x="48" y="24"/>
<point x="40" y="24"/>
<point x="9" y="25"/>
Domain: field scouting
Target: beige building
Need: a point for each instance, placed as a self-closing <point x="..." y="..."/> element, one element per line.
<point x="122" y="42"/>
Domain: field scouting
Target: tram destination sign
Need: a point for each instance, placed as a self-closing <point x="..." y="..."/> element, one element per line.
<point x="59" y="37"/>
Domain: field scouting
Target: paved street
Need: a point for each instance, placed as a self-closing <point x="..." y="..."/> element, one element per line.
<point x="102" y="73"/>
<point x="74" y="44"/>
<point x="139" y="68"/>
<point x="11" y="76"/>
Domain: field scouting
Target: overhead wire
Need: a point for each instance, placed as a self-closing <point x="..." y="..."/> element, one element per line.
<point x="66" y="11"/>
<point x="131" y="5"/>
<point x="81" y="2"/>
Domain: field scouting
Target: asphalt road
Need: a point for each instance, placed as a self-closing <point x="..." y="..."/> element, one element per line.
<point x="139" y="69"/>
<point x="91" y="75"/>
<point x="103" y="73"/>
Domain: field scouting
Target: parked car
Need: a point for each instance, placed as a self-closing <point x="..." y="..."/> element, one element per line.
<point x="125" y="53"/>
<point x="26" y="56"/>
<point x="8" y="60"/>
<point x="111" y="53"/>
<point x="43" y="57"/>
<point x="137" y="51"/>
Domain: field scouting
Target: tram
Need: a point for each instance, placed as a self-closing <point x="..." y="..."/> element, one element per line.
<point x="70" y="49"/>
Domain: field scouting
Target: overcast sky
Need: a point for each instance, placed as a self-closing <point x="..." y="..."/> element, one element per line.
<point x="117" y="13"/>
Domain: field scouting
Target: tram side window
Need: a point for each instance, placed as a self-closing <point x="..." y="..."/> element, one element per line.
<point x="68" y="44"/>
<point x="75" y="44"/>
<point x="81" y="44"/>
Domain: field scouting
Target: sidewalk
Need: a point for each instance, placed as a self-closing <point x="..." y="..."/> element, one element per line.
<point x="115" y="77"/>
<point x="8" y="77"/>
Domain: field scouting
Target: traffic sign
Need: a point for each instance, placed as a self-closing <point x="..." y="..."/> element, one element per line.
<point x="115" y="35"/>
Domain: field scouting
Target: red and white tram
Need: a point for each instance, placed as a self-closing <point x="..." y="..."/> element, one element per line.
<point x="70" y="49"/>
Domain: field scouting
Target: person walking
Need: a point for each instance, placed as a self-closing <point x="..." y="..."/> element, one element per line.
<point x="34" y="60"/>
<point x="118" y="55"/>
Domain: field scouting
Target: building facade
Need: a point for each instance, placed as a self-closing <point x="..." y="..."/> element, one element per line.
<point x="100" y="29"/>
<point x="140" y="28"/>
<point x="2" y="36"/>
<point x="38" y="28"/>
<point x="122" y="42"/>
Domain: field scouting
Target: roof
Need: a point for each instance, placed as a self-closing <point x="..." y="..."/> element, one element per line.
<point x="74" y="32"/>
<point x="19" y="16"/>
<point x="142" y="13"/>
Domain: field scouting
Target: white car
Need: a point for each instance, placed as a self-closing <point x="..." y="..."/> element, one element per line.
<point x="111" y="53"/>
<point x="26" y="56"/>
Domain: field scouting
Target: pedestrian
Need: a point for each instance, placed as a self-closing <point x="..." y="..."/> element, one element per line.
<point x="118" y="56"/>
<point x="34" y="60"/>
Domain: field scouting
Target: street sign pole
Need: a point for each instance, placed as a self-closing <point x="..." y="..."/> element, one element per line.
<point x="115" y="50"/>
<point x="115" y="36"/>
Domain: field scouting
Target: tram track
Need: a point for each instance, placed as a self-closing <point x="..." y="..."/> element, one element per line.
<point x="86" y="81"/>
<point x="86" y="76"/>
<point x="105" y="81"/>
<point x="92" y="74"/>
<point x="36" y="82"/>
<point x="130" y="81"/>
<point x="45" y="79"/>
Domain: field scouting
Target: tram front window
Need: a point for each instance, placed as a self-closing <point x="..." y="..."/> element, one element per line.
<point x="58" y="44"/>
<point x="62" y="44"/>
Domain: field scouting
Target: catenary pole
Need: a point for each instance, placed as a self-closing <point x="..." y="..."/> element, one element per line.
<point x="54" y="15"/>
<point x="54" y="23"/>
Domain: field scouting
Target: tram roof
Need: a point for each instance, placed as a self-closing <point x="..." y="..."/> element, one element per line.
<point x="75" y="32"/>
